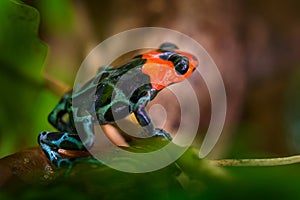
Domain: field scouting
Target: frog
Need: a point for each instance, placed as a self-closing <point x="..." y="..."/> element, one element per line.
<point x="116" y="93"/>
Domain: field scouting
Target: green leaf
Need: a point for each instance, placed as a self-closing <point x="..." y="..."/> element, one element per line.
<point x="22" y="55"/>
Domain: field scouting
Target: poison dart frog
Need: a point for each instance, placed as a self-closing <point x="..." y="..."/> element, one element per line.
<point x="118" y="92"/>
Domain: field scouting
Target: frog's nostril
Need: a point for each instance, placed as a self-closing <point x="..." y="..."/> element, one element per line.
<point x="194" y="58"/>
<point x="195" y="61"/>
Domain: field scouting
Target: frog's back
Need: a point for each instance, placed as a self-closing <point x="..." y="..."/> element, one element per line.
<point x="114" y="90"/>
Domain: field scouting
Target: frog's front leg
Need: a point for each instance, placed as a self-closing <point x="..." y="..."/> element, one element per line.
<point x="145" y="121"/>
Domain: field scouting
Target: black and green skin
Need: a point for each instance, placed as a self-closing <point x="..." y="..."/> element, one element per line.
<point x="116" y="97"/>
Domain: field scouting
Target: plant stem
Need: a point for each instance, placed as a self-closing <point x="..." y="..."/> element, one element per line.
<point x="257" y="162"/>
<point x="57" y="87"/>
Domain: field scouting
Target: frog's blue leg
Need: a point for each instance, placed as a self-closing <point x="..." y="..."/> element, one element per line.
<point x="145" y="121"/>
<point x="50" y="142"/>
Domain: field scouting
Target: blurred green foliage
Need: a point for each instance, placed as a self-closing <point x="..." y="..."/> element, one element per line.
<point x="24" y="102"/>
<point x="57" y="15"/>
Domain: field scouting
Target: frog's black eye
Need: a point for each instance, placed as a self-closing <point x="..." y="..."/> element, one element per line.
<point x="181" y="63"/>
<point x="168" y="46"/>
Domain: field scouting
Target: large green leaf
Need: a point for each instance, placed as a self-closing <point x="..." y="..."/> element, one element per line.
<point x="22" y="53"/>
<point x="22" y="56"/>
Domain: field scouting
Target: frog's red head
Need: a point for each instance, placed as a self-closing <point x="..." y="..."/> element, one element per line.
<point x="168" y="65"/>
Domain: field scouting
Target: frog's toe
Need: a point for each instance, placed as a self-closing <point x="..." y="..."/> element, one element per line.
<point x="163" y="133"/>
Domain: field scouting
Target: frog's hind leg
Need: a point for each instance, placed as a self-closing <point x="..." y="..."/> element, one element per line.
<point x="55" y="118"/>
<point x="51" y="142"/>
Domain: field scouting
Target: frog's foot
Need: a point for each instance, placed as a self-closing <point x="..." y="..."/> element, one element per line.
<point x="60" y="162"/>
<point x="162" y="133"/>
<point x="54" y="157"/>
<point x="69" y="163"/>
<point x="51" y="142"/>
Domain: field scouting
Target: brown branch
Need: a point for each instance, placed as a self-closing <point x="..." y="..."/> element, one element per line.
<point x="26" y="165"/>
